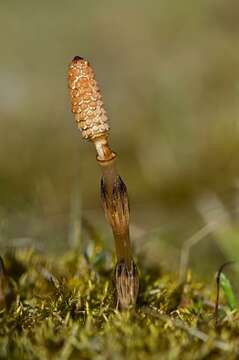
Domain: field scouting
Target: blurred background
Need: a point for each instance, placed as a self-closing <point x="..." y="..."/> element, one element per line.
<point x="169" y="73"/>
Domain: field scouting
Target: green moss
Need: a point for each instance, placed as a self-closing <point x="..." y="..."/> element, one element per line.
<point x="65" y="308"/>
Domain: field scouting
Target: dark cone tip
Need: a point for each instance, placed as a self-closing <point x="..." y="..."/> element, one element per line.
<point x="78" y="58"/>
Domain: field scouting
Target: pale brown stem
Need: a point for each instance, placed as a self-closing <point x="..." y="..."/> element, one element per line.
<point x="116" y="205"/>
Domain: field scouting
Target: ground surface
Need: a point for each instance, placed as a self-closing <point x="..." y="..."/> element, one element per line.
<point x="64" y="308"/>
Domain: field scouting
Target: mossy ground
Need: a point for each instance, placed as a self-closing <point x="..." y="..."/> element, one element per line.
<point x="65" y="308"/>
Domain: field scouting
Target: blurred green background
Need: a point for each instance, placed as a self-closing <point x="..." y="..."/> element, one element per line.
<point x="170" y="79"/>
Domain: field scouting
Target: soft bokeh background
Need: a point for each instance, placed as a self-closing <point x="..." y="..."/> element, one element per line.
<point x="170" y="78"/>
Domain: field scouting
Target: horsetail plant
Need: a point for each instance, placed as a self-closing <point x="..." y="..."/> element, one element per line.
<point x="92" y="120"/>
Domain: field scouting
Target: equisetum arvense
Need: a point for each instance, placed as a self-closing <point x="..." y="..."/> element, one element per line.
<point x="92" y="120"/>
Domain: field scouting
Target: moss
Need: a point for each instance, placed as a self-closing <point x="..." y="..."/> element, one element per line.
<point x="64" y="308"/>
